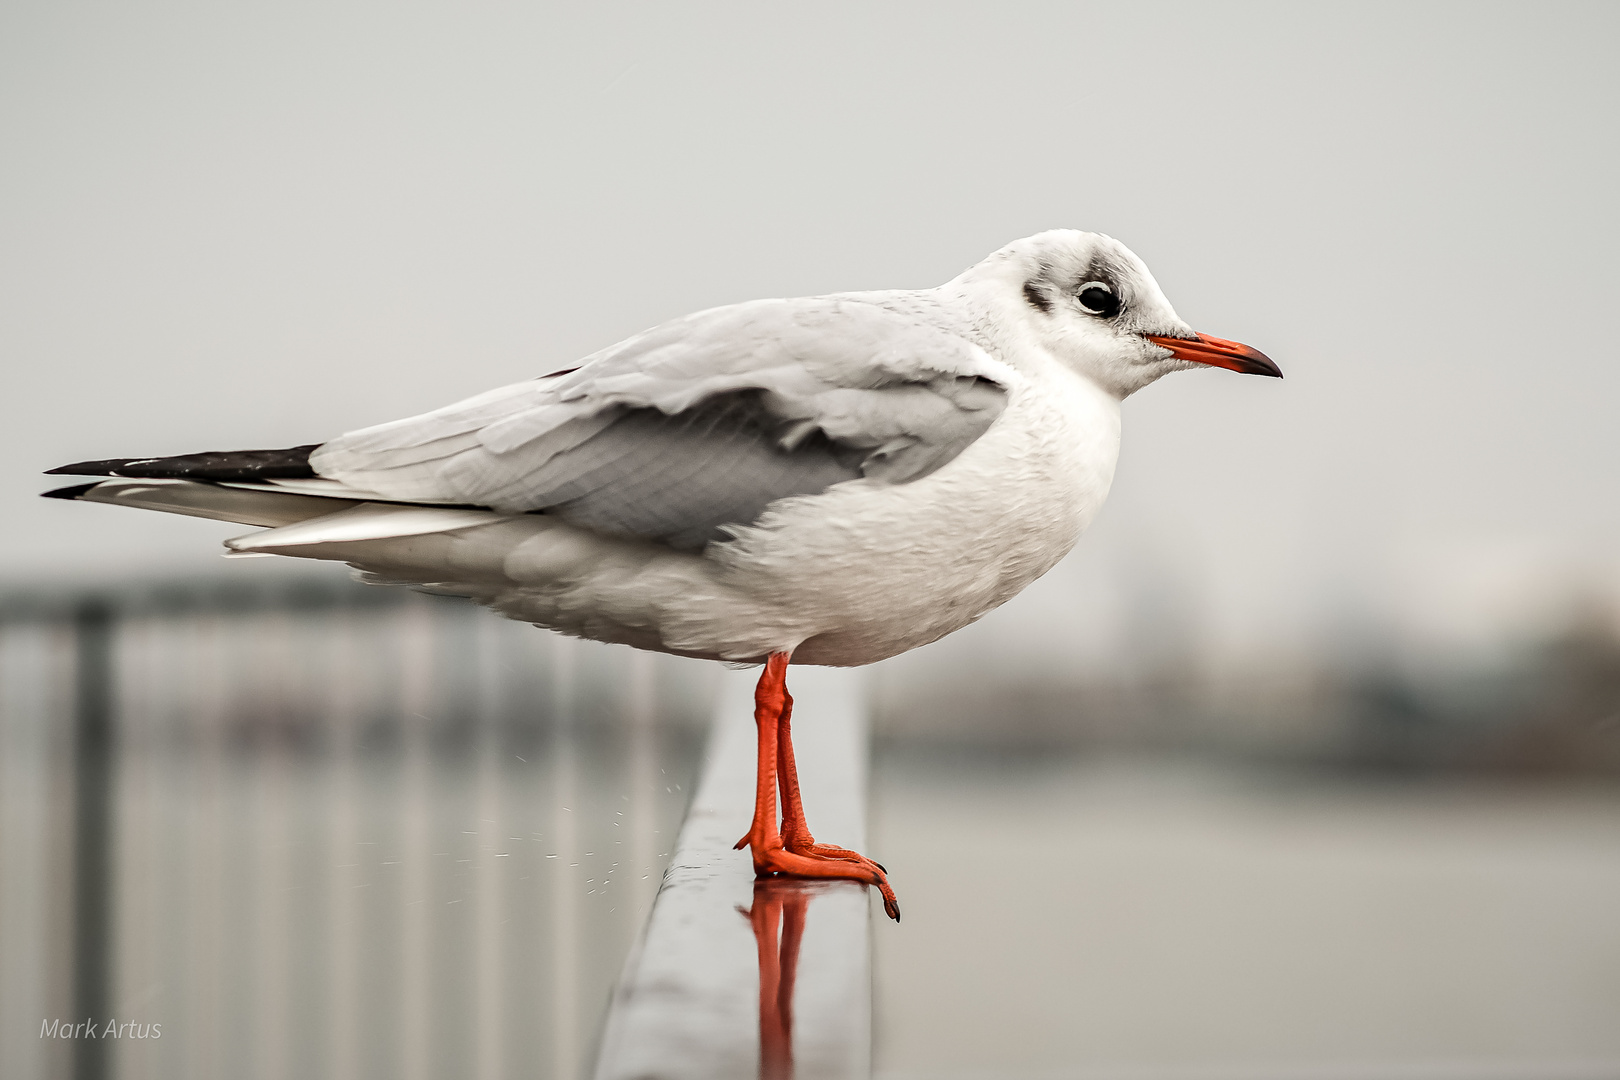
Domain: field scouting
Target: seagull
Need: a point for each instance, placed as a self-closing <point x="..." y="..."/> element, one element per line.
<point x="828" y="480"/>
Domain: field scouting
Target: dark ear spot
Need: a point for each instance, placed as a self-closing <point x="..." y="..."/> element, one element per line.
<point x="1037" y="298"/>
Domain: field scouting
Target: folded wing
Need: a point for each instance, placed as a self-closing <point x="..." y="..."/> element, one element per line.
<point x="696" y="424"/>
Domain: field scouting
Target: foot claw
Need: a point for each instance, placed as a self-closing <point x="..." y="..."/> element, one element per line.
<point x="827" y="862"/>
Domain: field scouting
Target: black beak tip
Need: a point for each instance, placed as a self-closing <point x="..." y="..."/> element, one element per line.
<point x="1255" y="362"/>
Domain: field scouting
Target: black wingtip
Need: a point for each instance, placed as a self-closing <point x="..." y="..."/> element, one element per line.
<point x="68" y="492"/>
<point x="90" y="468"/>
<point x="289" y="464"/>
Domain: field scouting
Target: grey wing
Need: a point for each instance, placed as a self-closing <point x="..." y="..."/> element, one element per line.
<point x="696" y="424"/>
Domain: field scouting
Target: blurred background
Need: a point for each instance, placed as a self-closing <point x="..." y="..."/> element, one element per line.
<point x="1306" y="759"/>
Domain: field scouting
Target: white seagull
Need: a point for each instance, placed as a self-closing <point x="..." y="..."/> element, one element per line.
<point x="831" y="480"/>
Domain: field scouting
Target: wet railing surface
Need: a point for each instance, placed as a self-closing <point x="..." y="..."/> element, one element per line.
<point x="737" y="978"/>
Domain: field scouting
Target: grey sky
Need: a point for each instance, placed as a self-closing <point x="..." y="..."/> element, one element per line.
<point x="223" y="227"/>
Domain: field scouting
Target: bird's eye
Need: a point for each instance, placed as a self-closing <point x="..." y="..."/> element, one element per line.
<point x="1097" y="298"/>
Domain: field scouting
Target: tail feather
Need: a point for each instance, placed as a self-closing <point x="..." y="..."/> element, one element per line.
<point x="297" y="523"/>
<point x="363" y="521"/>
<point x="265" y="507"/>
<point x="304" y="515"/>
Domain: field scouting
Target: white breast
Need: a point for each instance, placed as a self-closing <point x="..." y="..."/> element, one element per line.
<point x="865" y="572"/>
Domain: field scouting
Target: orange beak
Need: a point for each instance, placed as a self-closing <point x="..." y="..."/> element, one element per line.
<point x="1218" y="352"/>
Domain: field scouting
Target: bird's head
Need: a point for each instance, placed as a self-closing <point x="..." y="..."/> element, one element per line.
<point x="1094" y="305"/>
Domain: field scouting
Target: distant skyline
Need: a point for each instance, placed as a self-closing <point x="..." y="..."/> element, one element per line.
<point x="224" y="228"/>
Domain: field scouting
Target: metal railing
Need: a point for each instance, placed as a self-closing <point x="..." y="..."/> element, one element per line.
<point x="315" y="829"/>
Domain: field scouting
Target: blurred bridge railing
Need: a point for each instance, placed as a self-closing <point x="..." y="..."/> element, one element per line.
<point x="314" y="829"/>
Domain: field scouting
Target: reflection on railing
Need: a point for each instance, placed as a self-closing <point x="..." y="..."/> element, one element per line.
<point x="777" y="918"/>
<point x="782" y="989"/>
<point x="332" y="833"/>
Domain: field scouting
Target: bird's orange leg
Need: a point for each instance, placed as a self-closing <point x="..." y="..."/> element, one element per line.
<point x="795" y="829"/>
<point x="793" y="851"/>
